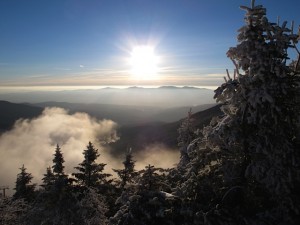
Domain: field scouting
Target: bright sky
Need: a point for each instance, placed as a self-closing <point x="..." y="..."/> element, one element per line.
<point x="97" y="42"/>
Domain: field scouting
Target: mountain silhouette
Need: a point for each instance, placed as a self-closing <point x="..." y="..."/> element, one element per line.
<point x="11" y="112"/>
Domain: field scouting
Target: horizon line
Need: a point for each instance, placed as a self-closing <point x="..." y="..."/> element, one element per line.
<point x="26" y="88"/>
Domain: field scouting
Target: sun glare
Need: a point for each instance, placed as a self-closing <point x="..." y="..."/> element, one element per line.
<point x="143" y="63"/>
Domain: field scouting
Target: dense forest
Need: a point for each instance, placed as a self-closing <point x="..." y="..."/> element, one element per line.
<point x="243" y="168"/>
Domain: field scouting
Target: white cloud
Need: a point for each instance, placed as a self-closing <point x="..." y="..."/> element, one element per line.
<point x="32" y="142"/>
<point x="157" y="155"/>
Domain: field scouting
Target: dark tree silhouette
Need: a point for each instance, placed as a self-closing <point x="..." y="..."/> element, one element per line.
<point x="24" y="188"/>
<point x="58" y="160"/>
<point x="48" y="179"/>
<point x="90" y="172"/>
<point x="127" y="174"/>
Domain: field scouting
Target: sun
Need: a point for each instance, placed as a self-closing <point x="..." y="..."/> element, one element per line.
<point x="143" y="62"/>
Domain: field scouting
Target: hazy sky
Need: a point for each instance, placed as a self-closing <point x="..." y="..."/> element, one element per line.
<point x="91" y="42"/>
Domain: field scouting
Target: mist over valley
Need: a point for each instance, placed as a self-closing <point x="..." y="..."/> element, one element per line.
<point x="144" y="120"/>
<point x="91" y="133"/>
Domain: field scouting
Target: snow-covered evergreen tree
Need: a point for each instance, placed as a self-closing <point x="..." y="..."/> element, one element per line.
<point x="255" y="142"/>
<point x="24" y="188"/>
<point x="257" y="134"/>
<point x="91" y="208"/>
<point x="55" y="206"/>
<point x="148" y="203"/>
<point x="13" y="212"/>
<point x="151" y="179"/>
<point x="187" y="134"/>
<point x="201" y="186"/>
<point x="187" y="142"/>
<point x="246" y="166"/>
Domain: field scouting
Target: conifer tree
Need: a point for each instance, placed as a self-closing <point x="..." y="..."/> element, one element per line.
<point x="261" y="106"/>
<point x="91" y="208"/>
<point x="150" y="180"/>
<point x="53" y="204"/>
<point x="60" y="178"/>
<point x="254" y="143"/>
<point x="48" y="179"/>
<point x="58" y="160"/>
<point x="245" y="168"/>
<point x="127" y="174"/>
<point x="186" y="136"/>
<point x="23" y="187"/>
<point x="90" y="172"/>
<point x="149" y="203"/>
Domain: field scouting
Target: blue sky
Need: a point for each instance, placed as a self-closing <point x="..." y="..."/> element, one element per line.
<point x="89" y="42"/>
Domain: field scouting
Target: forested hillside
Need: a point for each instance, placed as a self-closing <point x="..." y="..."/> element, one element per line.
<point x="243" y="168"/>
<point x="139" y="137"/>
<point x="11" y="112"/>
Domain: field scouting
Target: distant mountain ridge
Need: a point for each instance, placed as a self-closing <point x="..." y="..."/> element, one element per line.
<point x="164" y="97"/>
<point x="122" y="114"/>
<point x="11" y="112"/>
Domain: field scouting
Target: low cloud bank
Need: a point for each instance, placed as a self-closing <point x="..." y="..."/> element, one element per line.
<point x="157" y="155"/>
<point x="32" y="142"/>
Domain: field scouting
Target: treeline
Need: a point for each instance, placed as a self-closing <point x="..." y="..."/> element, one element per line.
<point x="89" y="196"/>
<point x="242" y="169"/>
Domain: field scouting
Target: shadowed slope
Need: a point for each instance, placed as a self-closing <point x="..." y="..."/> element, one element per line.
<point x="10" y="112"/>
<point x="139" y="137"/>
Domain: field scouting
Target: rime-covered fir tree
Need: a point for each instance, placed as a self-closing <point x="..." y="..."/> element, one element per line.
<point x="13" y="212"/>
<point x="62" y="203"/>
<point x="90" y="172"/>
<point x="256" y="138"/>
<point x="186" y="133"/>
<point x="148" y="203"/>
<point x="24" y="188"/>
<point x="91" y="208"/>
<point x="150" y="179"/>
